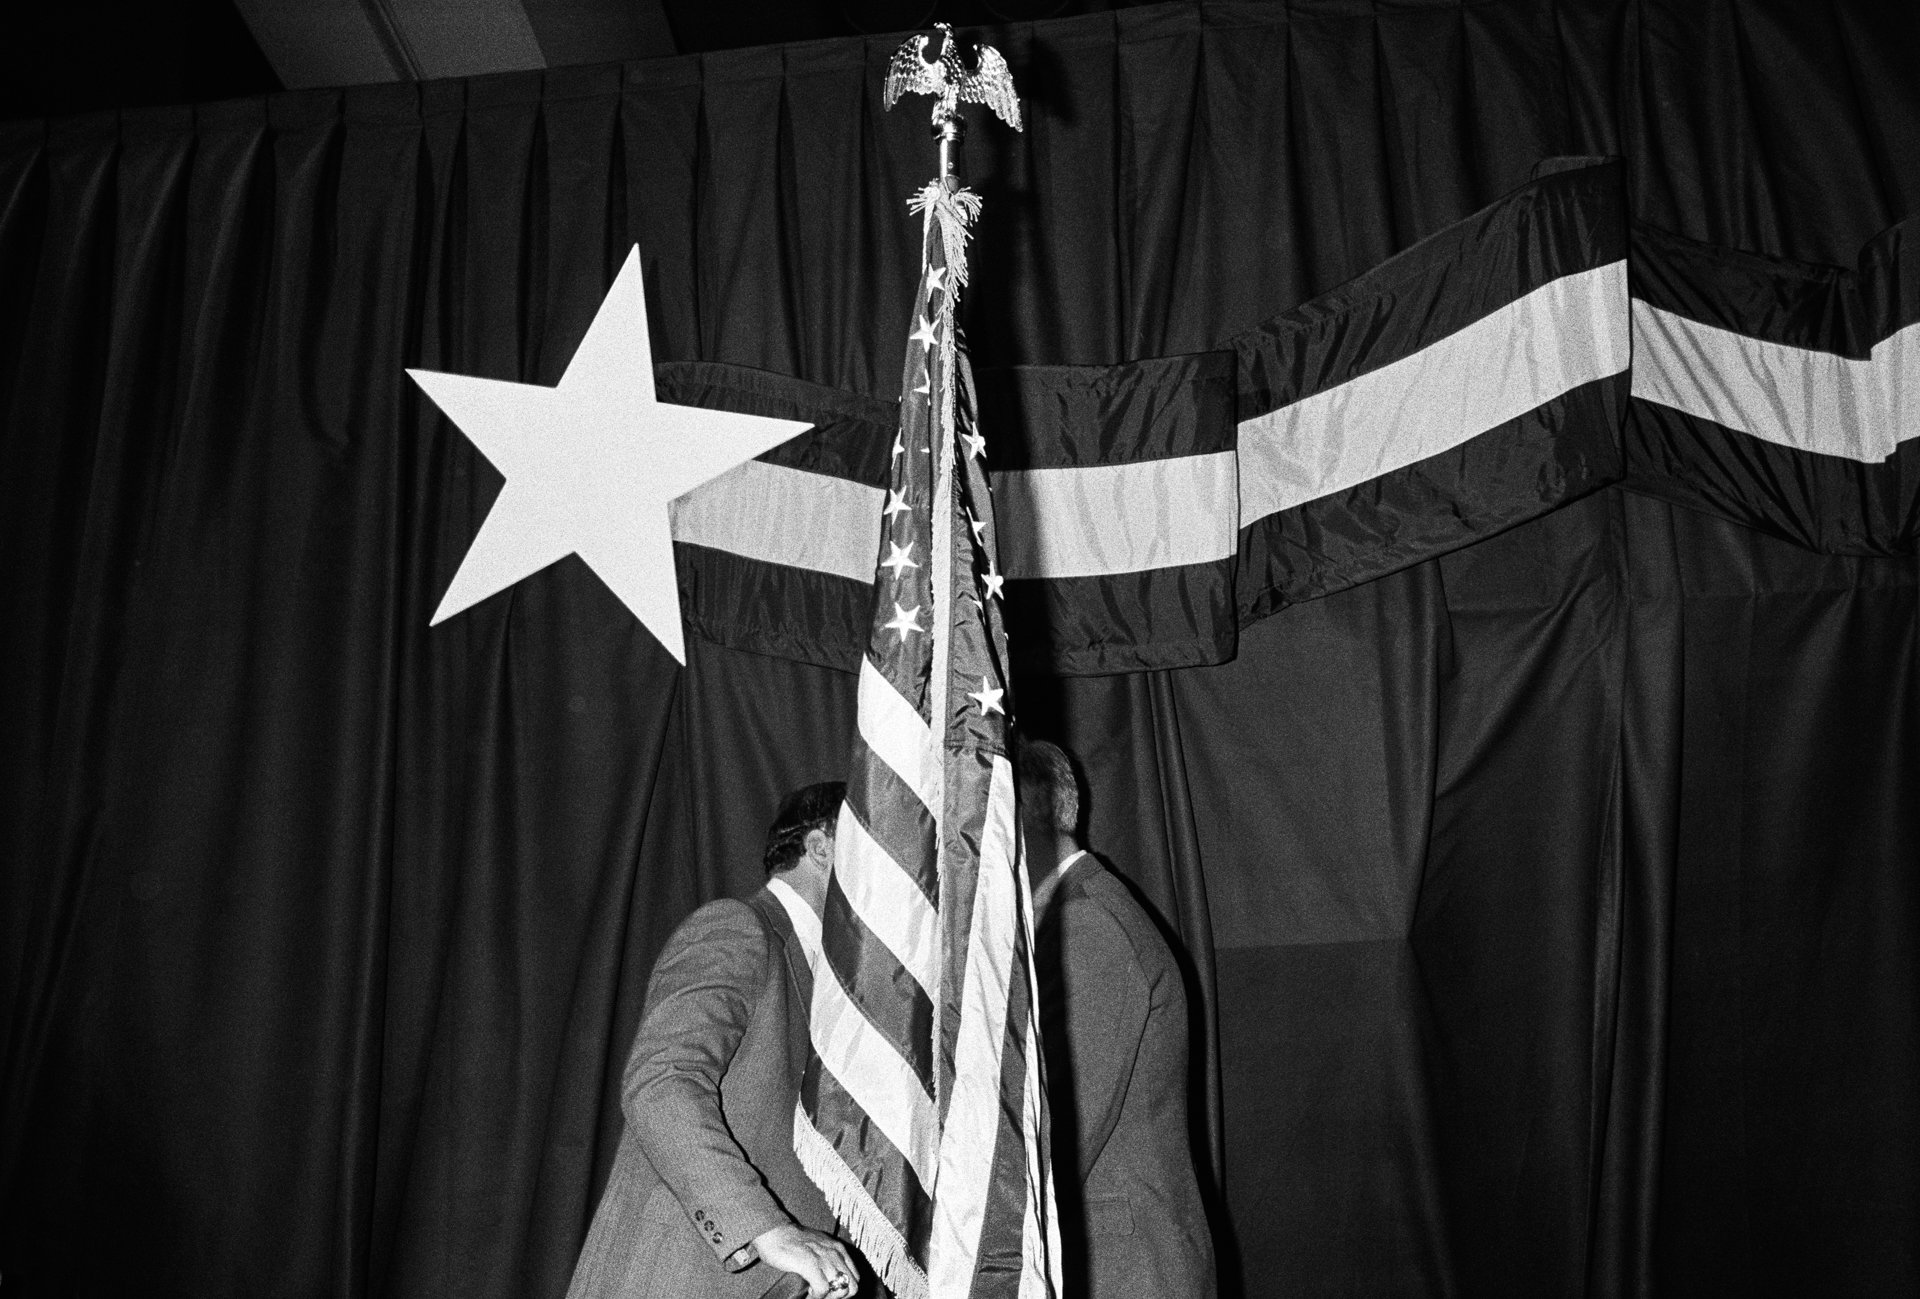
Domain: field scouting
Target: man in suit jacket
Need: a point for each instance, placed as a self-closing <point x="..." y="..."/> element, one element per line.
<point x="1114" y="1023"/>
<point x="707" y="1199"/>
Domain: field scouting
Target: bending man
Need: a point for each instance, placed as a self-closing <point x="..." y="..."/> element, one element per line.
<point x="707" y="1199"/>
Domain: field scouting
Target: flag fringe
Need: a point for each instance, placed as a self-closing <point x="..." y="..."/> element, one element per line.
<point x="953" y="210"/>
<point x="873" y="1232"/>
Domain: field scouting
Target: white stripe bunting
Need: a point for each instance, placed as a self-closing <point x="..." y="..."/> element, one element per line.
<point x="1068" y="522"/>
<point x="1568" y="332"/>
<point x="1100" y="520"/>
<point x="784" y="516"/>
<point x="1791" y="396"/>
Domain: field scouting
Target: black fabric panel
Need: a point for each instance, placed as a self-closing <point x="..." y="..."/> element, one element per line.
<point x="1786" y="1162"/>
<point x="1784" y="129"/>
<point x="852" y="435"/>
<point x="1124" y="622"/>
<point x="1563" y="223"/>
<point x="1048" y="417"/>
<point x="1824" y="502"/>
<point x="793" y="613"/>
<point x="1516" y="471"/>
<point x="1061" y="417"/>
<point x="1844" y="310"/>
<point x="1570" y="218"/>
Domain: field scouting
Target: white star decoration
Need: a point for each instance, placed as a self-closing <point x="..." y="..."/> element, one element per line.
<point x="924" y="334"/>
<point x="905" y="621"/>
<point x="976" y="443"/>
<point x="937" y="279"/>
<point x="592" y="464"/>
<point x="988" y="698"/>
<point x="896" y="504"/>
<point x="994" y="582"/>
<point x="899" y="557"/>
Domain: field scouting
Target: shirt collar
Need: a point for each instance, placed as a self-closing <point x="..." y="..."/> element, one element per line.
<point x="1043" y="892"/>
<point x="806" y="925"/>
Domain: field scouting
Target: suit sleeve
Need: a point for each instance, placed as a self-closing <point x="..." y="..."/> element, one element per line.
<point x="1096" y="1020"/>
<point x="698" y="1005"/>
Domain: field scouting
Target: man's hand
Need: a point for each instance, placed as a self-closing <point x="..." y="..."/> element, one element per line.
<point x="813" y="1256"/>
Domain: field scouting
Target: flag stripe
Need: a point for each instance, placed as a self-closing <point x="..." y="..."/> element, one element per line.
<point x="908" y="667"/>
<point x="973" y="1115"/>
<point x="874" y="1075"/>
<point x="1003" y="1228"/>
<point x="896" y="822"/>
<point x="896" y="732"/>
<point x="1040" y="1234"/>
<point x="893" y="998"/>
<point x="887" y="1176"/>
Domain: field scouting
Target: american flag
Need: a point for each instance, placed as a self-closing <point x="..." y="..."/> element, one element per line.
<point x="922" y="1116"/>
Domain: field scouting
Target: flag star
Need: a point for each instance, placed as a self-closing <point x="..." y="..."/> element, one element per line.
<point x="899" y="558"/>
<point x="896" y="502"/>
<point x="924" y="334"/>
<point x="979" y="528"/>
<point x="994" y="581"/>
<point x="905" y="621"/>
<point x="592" y="465"/>
<point x="976" y="443"/>
<point x="937" y="279"/>
<point x="988" y="698"/>
<point x="926" y="386"/>
<point x="899" y="446"/>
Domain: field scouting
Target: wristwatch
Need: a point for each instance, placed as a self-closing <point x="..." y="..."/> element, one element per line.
<point x="743" y="1258"/>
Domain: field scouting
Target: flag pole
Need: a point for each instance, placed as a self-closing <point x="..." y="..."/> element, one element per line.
<point x="922" y="1113"/>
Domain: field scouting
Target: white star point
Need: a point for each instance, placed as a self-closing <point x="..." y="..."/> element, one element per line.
<point x="899" y="558"/>
<point x="988" y="698"/>
<point x="905" y="621"/>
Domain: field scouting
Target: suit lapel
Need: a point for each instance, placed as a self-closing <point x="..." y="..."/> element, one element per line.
<point x="799" y="984"/>
<point x="798" y="975"/>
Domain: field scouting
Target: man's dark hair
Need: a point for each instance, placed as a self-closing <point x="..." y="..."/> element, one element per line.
<point x="809" y="808"/>
<point x="1047" y="783"/>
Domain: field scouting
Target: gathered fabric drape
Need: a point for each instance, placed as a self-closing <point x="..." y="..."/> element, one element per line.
<point x="1550" y="907"/>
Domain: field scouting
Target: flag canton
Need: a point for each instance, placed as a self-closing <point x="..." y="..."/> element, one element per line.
<point x="901" y="641"/>
<point x="979" y="698"/>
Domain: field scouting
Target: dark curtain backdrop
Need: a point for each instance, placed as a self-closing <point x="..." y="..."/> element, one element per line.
<point x="1553" y="906"/>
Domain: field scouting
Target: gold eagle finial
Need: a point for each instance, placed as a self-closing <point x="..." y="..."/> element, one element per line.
<point x="955" y="76"/>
